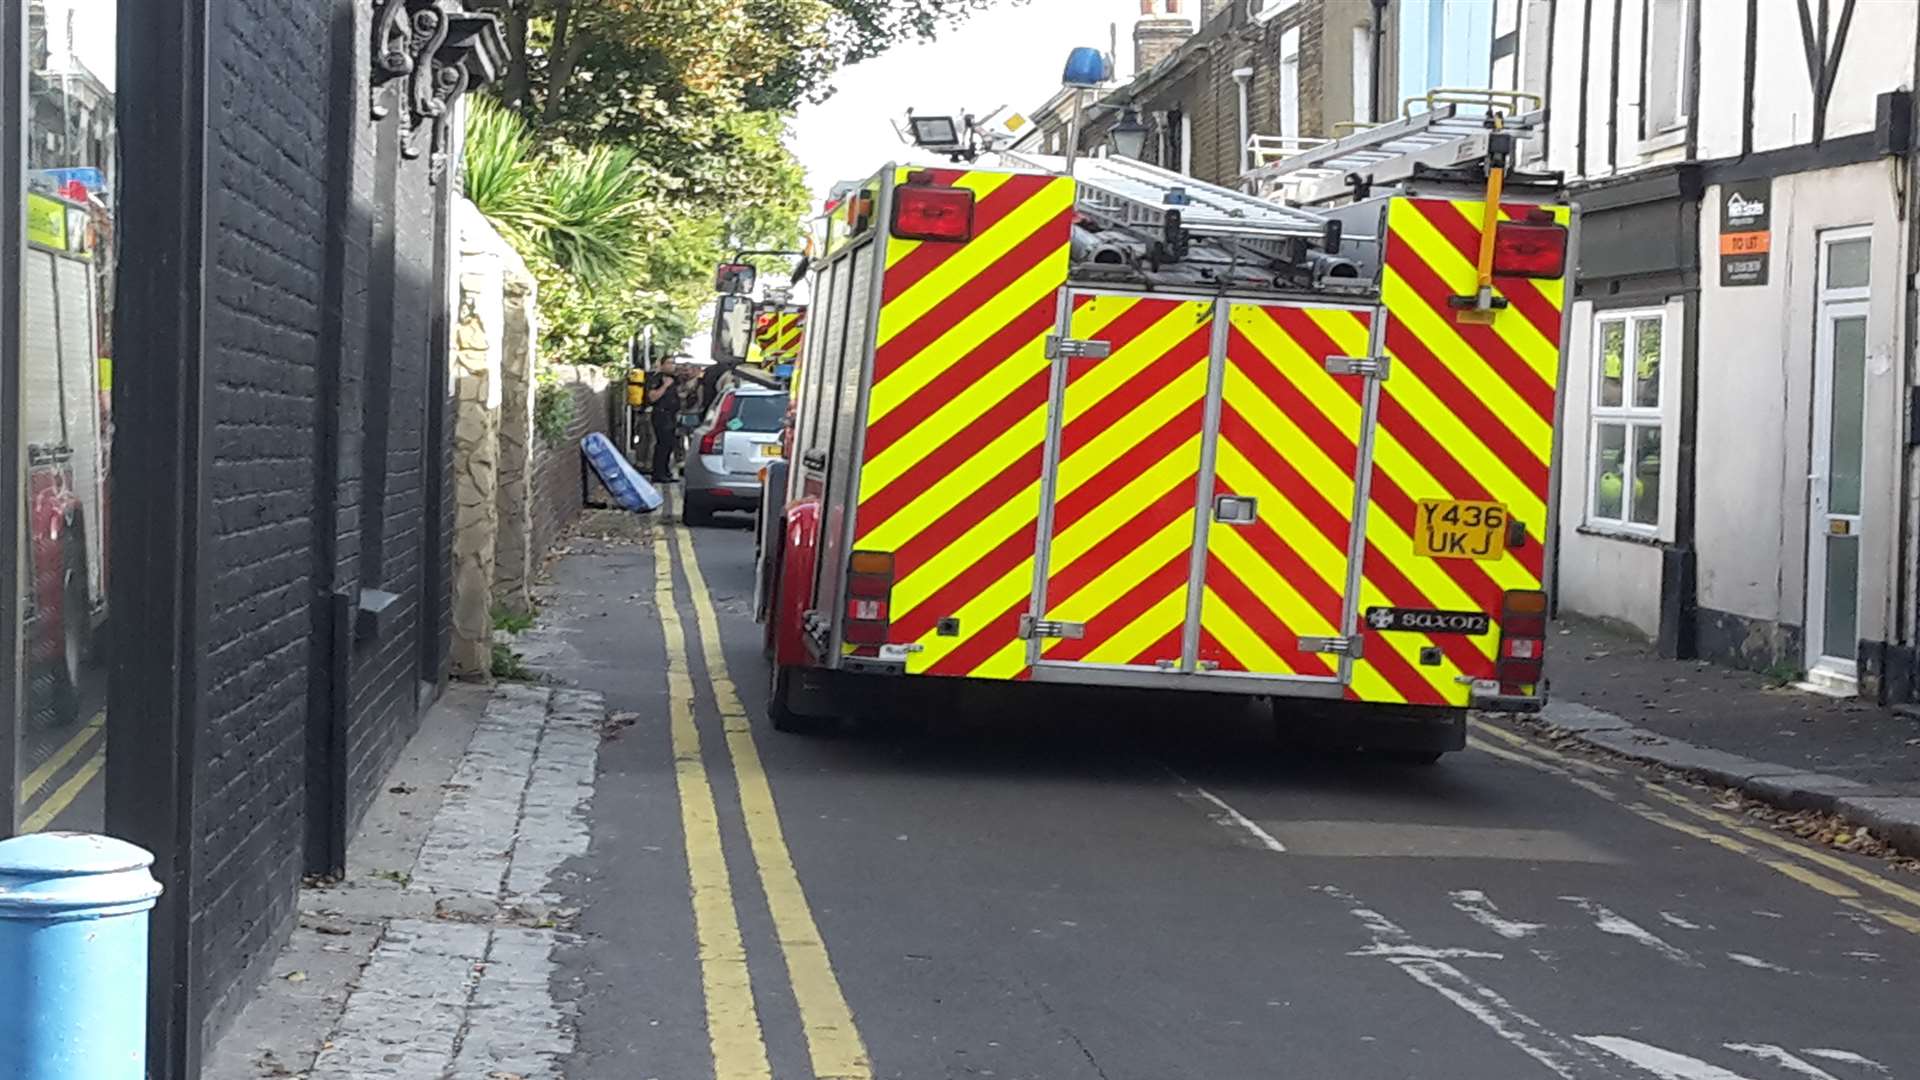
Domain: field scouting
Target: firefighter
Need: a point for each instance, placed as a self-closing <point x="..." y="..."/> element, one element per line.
<point x="663" y="401"/>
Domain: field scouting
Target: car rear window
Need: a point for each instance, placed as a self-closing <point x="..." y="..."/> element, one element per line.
<point x="760" y="412"/>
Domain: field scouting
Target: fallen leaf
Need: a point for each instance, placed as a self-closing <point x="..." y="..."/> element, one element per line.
<point x="296" y="976"/>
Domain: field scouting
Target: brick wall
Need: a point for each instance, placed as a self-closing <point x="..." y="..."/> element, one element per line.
<point x="265" y="262"/>
<point x="303" y="304"/>
<point x="556" y="466"/>
<point x="1203" y="85"/>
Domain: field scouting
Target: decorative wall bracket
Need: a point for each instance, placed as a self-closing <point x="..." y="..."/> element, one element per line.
<point x="437" y="51"/>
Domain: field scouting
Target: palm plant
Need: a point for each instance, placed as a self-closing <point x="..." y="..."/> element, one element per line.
<point x="502" y="177"/>
<point x="599" y="215"/>
<point x="585" y="211"/>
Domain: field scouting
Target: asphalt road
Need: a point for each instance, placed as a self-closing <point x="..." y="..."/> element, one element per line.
<point x="1152" y="889"/>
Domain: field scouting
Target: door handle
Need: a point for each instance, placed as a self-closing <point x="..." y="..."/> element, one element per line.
<point x="1236" y="509"/>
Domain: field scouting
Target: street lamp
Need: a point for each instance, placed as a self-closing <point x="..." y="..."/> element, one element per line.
<point x="1129" y="135"/>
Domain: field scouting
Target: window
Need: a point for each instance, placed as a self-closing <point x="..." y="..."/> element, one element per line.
<point x="1290" y="85"/>
<point x="60" y="283"/>
<point x="1262" y="10"/>
<point x="1363" y="74"/>
<point x="1666" y="76"/>
<point x="760" y="412"/>
<point x="1628" y="349"/>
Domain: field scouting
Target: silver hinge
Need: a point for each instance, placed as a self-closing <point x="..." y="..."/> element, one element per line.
<point x="1375" y="366"/>
<point x="1077" y="348"/>
<point x="1031" y="628"/>
<point x="1338" y="646"/>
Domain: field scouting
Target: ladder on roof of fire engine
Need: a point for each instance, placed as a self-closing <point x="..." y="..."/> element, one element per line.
<point x="1311" y="171"/>
<point x="1122" y="191"/>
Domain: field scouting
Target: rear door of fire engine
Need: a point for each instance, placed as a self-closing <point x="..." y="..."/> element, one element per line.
<point x="1201" y="498"/>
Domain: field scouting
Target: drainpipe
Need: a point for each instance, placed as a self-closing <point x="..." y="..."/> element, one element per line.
<point x="1905" y="630"/>
<point x="1244" y="76"/>
<point x="1377" y="77"/>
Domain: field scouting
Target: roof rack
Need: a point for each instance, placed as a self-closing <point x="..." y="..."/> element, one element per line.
<point x="1438" y="135"/>
<point x="1123" y="191"/>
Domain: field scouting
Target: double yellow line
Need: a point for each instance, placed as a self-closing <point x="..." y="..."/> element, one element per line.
<point x="62" y="797"/>
<point x="733" y="1021"/>
<point x="1855" y="886"/>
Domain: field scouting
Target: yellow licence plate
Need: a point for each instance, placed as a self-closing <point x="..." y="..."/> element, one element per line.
<point x="770" y="450"/>
<point x="1460" y="529"/>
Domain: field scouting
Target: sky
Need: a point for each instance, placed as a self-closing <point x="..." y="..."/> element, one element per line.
<point x="1011" y="55"/>
<point x="93" y="33"/>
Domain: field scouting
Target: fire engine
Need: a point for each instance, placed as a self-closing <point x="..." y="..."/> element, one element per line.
<point x="63" y="410"/>
<point x="1101" y="424"/>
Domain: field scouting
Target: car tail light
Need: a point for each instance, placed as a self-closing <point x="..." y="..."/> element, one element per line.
<point x="869" y="597"/>
<point x="710" y="442"/>
<point x="924" y="211"/>
<point x="1529" y="249"/>
<point x="1523" y="642"/>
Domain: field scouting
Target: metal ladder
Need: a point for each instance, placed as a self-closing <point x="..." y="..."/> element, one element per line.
<point x="1122" y="191"/>
<point x="1315" y="171"/>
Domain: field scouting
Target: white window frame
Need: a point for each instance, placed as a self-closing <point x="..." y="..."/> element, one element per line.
<point x="1626" y="415"/>
<point x="1289" y="88"/>
<point x="1263" y="10"/>
<point x="1660" y="129"/>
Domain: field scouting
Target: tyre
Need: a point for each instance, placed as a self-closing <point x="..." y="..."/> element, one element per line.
<point x="780" y="711"/>
<point x="769" y="613"/>
<point x="75" y="618"/>
<point x="695" y="511"/>
<point x="1410" y="757"/>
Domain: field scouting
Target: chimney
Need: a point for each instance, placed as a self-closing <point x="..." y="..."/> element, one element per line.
<point x="1159" y="33"/>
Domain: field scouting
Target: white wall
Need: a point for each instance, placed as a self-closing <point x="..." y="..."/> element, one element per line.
<point x="1878" y="56"/>
<point x="1755" y="423"/>
<point x="1606" y="572"/>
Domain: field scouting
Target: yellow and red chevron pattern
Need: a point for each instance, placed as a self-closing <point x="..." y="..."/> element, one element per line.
<point x="1289" y="438"/>
<point x="957" y="419"/>
<point x="1466" y="413"/>
<point x="777" y="336"/>
<point x="1132" y="427"/>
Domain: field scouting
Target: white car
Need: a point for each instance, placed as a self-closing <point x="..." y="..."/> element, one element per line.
<point x="729" y="448"/>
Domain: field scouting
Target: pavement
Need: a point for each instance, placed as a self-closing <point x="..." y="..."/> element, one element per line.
<point x="1771" y="741"/>
<point x="434" y="954"/>
<point x="1080" y="887"/>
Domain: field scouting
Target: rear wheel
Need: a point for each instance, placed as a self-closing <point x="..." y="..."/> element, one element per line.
<point x="75" y="618"/>
<point x="1410" y="757"/>
<point x="780" y="710"/>
<point x="695" y="510"/>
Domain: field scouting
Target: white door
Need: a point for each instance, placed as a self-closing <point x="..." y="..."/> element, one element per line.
<point x="1834" y="489"/>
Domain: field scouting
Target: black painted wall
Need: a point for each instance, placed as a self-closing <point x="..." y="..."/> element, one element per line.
<point x="287" y="456"/>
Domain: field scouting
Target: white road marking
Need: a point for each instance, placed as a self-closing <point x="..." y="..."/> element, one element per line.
<point x="1391" y="942"/>
<point x="1520" y="1031"/>
<point x="1246" y="824"/>
<point x="1867" y="955"/>
<point x="1608" y="921"/>
<point x="1845" y="1057"/>
<point x="1864" y="921"/>
<point x="1664" y="1064"/>
<point x="1474" y="905"/>
<point x="1783" y="1058"/>
<point x="1756" y="963"/>
<point x="1674" y="920"/>
<point x="1423" y="952"/>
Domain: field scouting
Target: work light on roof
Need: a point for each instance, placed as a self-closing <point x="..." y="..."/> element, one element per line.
<point x="941" y="134"/>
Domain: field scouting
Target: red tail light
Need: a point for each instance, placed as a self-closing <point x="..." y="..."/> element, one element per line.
<point x="710" y="442"/>
<point x="930" y="212"/>
<point x="869" y="597"/>
<point x="1523" y="642"/>
<point x="1529" y="249"/>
